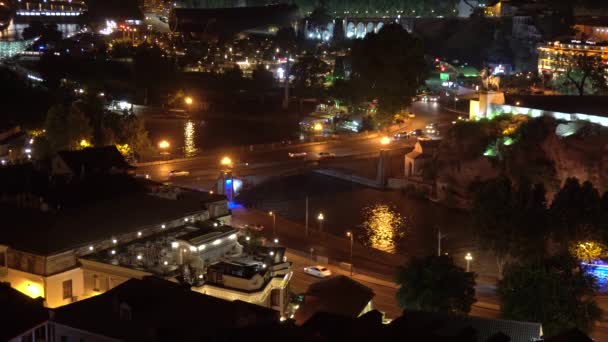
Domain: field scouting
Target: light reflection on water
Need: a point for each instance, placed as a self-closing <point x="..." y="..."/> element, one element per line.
<point x="383" y="227"/>
<point x="189" y="139"/>
<point x="14" y="30"/>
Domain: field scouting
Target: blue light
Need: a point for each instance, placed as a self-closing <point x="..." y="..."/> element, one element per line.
<point x="600" y="272"/>
<point x="234" y="205"/>
<point x="228" y="181"/>
<point x="41" y="47"/>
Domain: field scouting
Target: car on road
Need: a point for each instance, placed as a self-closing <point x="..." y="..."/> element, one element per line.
<point x="317" y="271"/>
<point x="177" y="173"/>
<point x="325" y="155"/>
<point x="400" y="135"/>
<point x="416" y="133"/>
<point x="297" y="154"/>
<point x="432" y="129"/>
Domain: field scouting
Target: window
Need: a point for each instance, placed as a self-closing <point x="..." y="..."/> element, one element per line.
<point x="67" y="289"/>
<point x="96" y="283"/>
<point x="275" y="297"/>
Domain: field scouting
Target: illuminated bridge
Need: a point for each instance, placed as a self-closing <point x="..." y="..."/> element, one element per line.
<point x="358" y="27"/>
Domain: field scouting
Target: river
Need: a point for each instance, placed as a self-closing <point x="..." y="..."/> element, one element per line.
<point x="392" y="221"/>
<point x="192" y="136"/>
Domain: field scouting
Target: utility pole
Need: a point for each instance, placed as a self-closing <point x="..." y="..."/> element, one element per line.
<point x="439" y="237"/>
<point x="286" y="98"/>
<point x="306" y="216"/>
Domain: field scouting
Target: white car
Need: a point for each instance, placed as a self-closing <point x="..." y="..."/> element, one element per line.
<point x="297" y="154"/>
<point x="175" y="173"/>
<point x="317" y="271"/>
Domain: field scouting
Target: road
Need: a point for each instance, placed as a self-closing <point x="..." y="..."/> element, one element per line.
<point x="204" y="170"/>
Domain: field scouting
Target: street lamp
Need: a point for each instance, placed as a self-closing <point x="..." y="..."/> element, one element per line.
<point x="468" y="258"/>
<point x="163" y="144"/>
<point x="188" y="100"/>
<point x="274" y="222"/>
<point x="350" y="235"/>
<point x="385" y="140"/>
<point x="226" y="161"/>
<point x="321" y="218"/>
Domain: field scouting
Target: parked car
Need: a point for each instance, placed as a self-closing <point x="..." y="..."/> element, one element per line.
<point x="297" y="154"/>
<point x="317" y="271"/>
<point x="324" y="155"/>
<point x="176" y="173"/>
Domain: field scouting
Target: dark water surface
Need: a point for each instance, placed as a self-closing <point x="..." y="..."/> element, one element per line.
<point x="391" y="221"/>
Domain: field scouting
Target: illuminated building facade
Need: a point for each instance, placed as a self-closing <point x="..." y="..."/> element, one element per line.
<point x="548" y="55"/>
<point x="10" y="49"/>
<point x="51" y="9"/>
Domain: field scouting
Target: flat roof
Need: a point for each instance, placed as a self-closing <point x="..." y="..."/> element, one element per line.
<point x="51" y="232"/>
<point x="591" y="105"/>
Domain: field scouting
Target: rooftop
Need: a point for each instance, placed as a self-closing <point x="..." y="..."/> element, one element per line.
<point x="82" y="214"/>
<point x="338" y="295"/>
<point x="591" y="105"/>
<point x="19" y="313"/>
<point x="127" y="312"/>
<point x="156" y="253"/>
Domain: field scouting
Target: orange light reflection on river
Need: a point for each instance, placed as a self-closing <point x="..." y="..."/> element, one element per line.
<point x="384" y="226"/>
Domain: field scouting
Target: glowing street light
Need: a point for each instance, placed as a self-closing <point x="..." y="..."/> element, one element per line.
<point x="385" y="140"/>
<point x="226" y="161"/>
<point x="468" y="258"/>
<point x="188" y="100"/>
<point x="318" y="127"/>
<point x="350" y="235"/>
<point x="163" y="144"/>
<point x="320" y="218"/>
<point x="274" y="222"/>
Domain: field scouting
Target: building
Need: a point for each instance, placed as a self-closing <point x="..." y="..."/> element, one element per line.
<point x="591" y="28"/>
<point x="50" y="10"/>
<point x="53" y="224"/>
<point x="153" y="309"/>
<point x="562" y="107"/>
<point x="552" y="57"/>
<point x="338" y="295"/>
<point x="91" y="160"/>
<point x="226" y="22"/>
<point x="23" y="318"/>
<point x="421" y="155"/>
<point x="260" y="277"/>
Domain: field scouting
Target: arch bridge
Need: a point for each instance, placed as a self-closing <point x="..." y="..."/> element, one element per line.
<point x="359" y="27"/>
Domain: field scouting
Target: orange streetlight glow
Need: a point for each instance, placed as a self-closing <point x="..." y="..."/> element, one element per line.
<point x="188" y="100"/>
<point x="385" y="140"/>
<point x="164" y="144"/>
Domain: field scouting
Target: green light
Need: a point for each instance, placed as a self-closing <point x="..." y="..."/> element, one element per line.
<point x="490" y="152"/>
<point x="507" y="141"/>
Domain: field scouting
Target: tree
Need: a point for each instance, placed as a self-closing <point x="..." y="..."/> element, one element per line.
<point x="46" y="32"/>
<point x="55" y="126"/>
<point x="309" y="72"/>
<point x="576" y="213"/>
<point x="134" y="134"/>
<point x="78" y="128"/>
<point x="556" y="292"/>
<point x="435" y="284"/>
<point x="510" y="221"/>
<point x="586" y="73"/>
<point x="388" y="66"/>
<point x="286" y="38"/>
